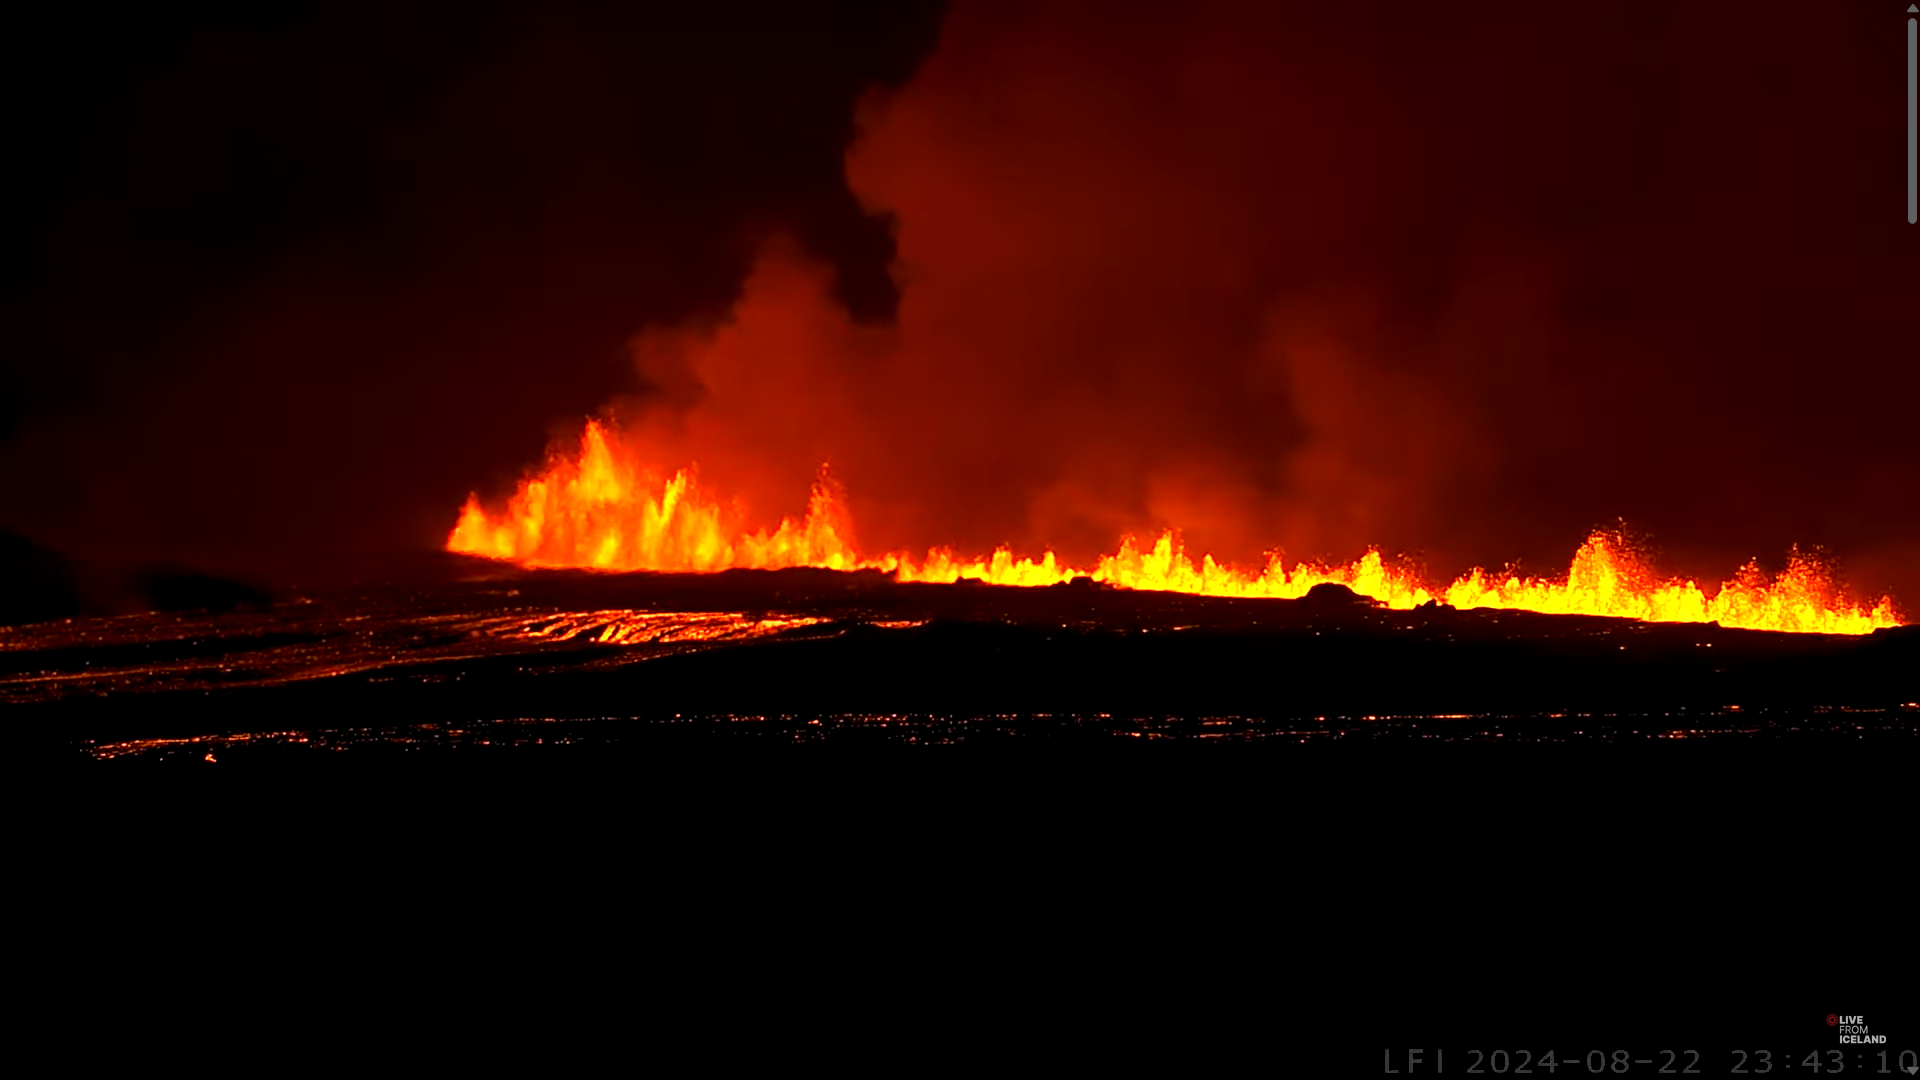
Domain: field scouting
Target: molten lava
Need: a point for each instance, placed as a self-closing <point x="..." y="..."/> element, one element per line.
<point x="606" y="512"/>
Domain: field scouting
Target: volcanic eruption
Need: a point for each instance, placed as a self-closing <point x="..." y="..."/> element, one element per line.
<point x="1290" y="372"/>
<point x="607" y="511"/>
<point x="1152" y="321"/>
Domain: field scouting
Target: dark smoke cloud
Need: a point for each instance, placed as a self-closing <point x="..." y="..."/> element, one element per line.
<point x="1461" y="283"/>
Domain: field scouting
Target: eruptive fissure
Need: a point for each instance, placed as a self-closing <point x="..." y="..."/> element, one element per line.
<point x="605" y="510"/>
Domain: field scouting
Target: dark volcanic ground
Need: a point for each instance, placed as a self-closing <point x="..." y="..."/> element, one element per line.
<point x="468" y="655"/>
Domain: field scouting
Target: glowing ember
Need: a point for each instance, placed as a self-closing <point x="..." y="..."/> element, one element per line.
<point x="604" y="512"/>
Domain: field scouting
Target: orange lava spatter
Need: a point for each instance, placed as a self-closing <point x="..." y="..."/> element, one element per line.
<point x="603" y="511"/>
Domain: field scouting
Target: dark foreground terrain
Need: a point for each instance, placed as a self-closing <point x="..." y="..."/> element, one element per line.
<point x="470" y="656"/>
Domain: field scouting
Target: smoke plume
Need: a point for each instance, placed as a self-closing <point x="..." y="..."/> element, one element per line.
<point x="1462" y="285"/>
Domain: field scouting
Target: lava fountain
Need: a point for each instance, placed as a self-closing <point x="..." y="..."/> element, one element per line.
<point x="603" y="510"/>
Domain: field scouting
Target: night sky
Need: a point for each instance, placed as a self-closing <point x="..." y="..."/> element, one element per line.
<point x="283" y="283"/>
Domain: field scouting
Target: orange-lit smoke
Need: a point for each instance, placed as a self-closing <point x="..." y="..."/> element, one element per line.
<point x="1178" y="270"/>
<point x="1122" y="309"/>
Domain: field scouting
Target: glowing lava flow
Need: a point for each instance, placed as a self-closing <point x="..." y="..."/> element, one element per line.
<point x="604" y="512"/>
